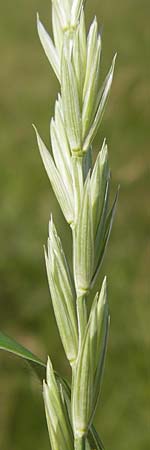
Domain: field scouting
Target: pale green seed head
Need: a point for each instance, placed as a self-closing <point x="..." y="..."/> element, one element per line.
<point x="83" y="195"/>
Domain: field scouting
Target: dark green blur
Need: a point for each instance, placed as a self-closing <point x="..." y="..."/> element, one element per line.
<point x="28" y="90"/>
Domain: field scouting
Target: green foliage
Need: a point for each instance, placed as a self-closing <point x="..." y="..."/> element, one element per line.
<point x="9" y="345"/>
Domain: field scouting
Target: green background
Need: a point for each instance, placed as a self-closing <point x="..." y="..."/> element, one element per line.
<point x="28" y="91"/>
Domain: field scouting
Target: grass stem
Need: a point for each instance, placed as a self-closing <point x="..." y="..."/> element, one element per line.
<point x="80" y="443"/>
<point x="82" y="316"/>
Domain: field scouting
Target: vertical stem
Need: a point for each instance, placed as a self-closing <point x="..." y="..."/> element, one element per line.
<point x="77" y="183"/>
<point x="81" y="305"/>
<point x="82" y="316"/>
<point x="78" y="192"/>
<point x="79" y="443"/>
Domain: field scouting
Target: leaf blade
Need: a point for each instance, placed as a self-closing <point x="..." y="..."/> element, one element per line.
<point x="10" y="345"/>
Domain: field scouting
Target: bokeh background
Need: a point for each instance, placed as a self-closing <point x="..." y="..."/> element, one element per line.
<point x="28" y="91"/>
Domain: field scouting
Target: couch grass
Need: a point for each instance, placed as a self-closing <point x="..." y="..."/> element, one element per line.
<point x="28" y="91"/>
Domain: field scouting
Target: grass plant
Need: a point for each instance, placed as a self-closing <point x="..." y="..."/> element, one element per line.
<point x="82" y="189"/>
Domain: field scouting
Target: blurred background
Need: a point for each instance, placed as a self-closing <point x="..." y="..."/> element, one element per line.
<point x="28" y="90"/>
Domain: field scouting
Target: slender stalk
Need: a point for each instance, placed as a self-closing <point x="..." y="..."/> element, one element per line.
<point x="79" y="443"/>
<point x="82" y="317"/>
<point x="77" y="184"/>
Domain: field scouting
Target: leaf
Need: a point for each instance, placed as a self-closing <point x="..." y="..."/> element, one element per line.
<point x="10" y="345"/>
